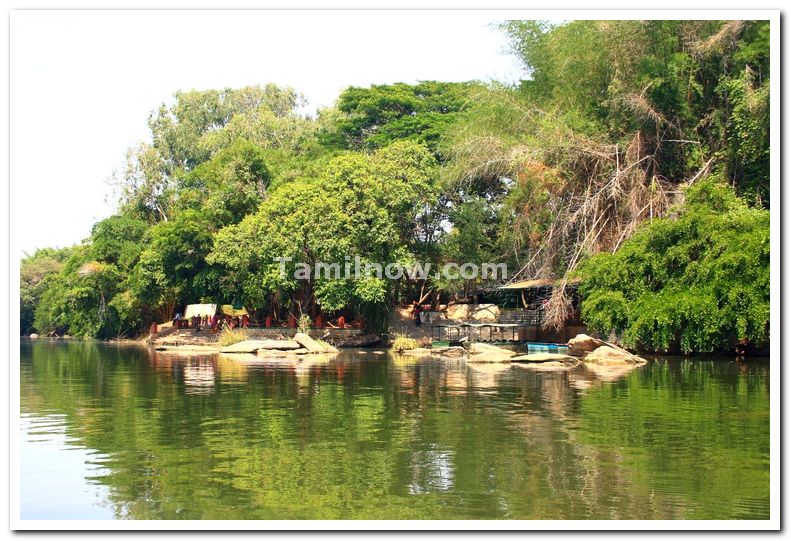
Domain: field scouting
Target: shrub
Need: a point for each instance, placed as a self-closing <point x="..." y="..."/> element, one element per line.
<point x="231" y="336"/>
<point x="303" y="325"/>
<point x="696" y="282"/>
<point x="402" y="342"/>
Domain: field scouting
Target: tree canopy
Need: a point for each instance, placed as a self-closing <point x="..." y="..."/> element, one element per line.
<point x="591" y="154"/>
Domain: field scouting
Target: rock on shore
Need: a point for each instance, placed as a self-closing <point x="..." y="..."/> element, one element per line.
<point x="251" y="346"/>
<point x="582" y="344"/>
<point x="359" y="341"/>
<point x="487" y="353"/>
<point x="302" y="344"/>
<point x="595" y="351"/>
<point x="312" y="345"/>
<point x="608" y="355"/>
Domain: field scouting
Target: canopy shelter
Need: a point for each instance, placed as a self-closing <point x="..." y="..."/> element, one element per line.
<point x="539" y="282"/>
<point x="200" y="310"/>
<point x="229" y="310"/>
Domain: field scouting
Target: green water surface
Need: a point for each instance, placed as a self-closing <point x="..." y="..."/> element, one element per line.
<point x="125" y="432"/>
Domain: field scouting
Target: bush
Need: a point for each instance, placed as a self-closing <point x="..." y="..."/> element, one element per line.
<point x="696" y="282"/>
<point x="402" y="342"/>
<point x="231" y="336"/>
<point x="304" y="323"/>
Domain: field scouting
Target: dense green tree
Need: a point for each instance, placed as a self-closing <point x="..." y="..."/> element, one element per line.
<point x="76" y="299"/>
<point x="366" y="206"/>
<point x="697" y="281"/>
<point x="193" y="128"/>
<point x="613" y="120"/>
<point x="382" y="114"/>
<point x="89" y="294"/>
<point x="117" y="240"/>
<point x="227" y="187"/>
<point x="172" y="269"/>
<point x="686" y="86"/>
<point x="35" y="273"/>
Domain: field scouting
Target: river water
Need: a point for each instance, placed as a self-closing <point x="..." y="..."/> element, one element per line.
<point x="123" y="432"/>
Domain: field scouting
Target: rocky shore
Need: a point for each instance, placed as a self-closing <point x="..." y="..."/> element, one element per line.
<point x="594" y="352"/>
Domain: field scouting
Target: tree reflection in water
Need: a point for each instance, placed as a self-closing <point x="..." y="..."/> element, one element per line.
<point x="365" y="436"/>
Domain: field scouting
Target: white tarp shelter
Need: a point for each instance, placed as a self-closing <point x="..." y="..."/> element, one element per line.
<point x="200" y="310"/>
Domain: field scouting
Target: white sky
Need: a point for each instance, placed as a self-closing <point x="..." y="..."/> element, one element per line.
<point x="84" y="82"/>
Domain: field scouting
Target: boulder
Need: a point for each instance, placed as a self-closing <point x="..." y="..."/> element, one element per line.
<point x="610" y="355"/>
<point x="328" y="348"/>
<point x="251" y="346"/>
<point x="483" y="348"/>
<point x="582" y="344"/>
<point x="280" y="344"/>
<point x="490" y="357"/>
<point x="33" y="336"/>
<point x="359" y="341"/>
<point x="308" y="343"/>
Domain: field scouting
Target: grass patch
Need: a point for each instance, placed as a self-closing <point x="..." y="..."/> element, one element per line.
<point x="231" y="336"/>
<point x="402" y="342"/>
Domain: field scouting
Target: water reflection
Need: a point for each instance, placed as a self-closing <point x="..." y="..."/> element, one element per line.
<point x="74" y="479"/>
<point x="370" y="436"/>
<point x="432" y="471"/>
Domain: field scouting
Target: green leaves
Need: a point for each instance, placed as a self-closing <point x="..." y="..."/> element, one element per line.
<point x="358" y="205"/>
<point x="698" y="282"/>
<point x="380" y="115"/>
<point x="229" y="186"/>
<point x="614" y="117"/>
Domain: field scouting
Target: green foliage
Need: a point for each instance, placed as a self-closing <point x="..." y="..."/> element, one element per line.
<point x="186" y="132"/>
<point x="229" y="186"/>
<point x="198" y="125"/>
<point x="382" y="114"/>
<point x="402" y="342"/>
<point x="89" y="295"/>
<point x="747" y="149"/>
<point x="35" y="274"/>
<point x="117" y="240"/>
<point x="229" y="337"/>
<point x="76" y="299"/>
<point x="360" y="205"/>
<point x="613" y="118"/>
<point x="303" y="323"/>
<point x="172" y="267"/>
<point x="698" y="281"/>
